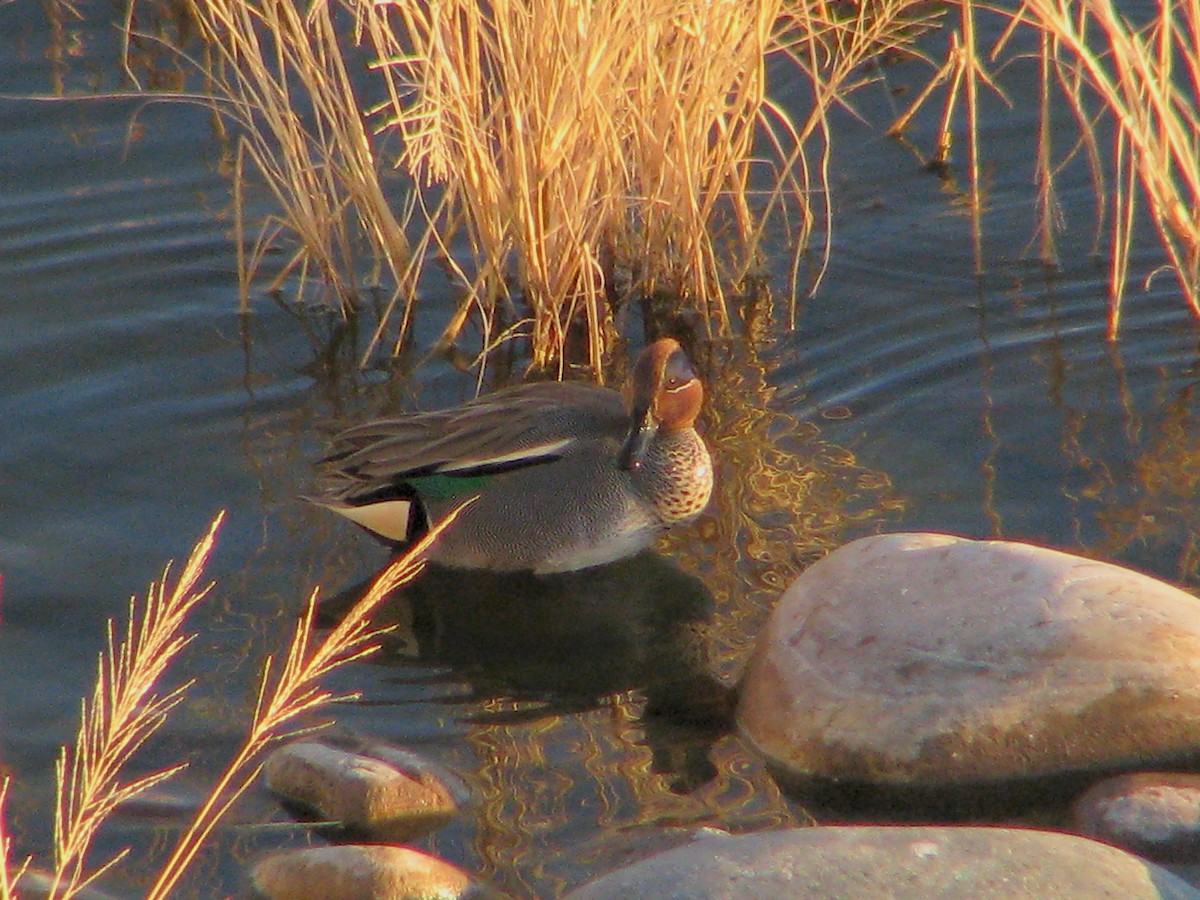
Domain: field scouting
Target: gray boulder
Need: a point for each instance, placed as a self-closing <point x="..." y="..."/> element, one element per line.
<point x="926" y="660"/>
<point x="921" y="863"/>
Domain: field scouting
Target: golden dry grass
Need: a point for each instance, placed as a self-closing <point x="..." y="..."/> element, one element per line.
<point x="1145" y="80"/>
<point x="280" y="75"/>
<point x="596" y="153"/>
<point x="128" y="707"/>
<point x="577" y="140"/>
<point x="564" y="156"/>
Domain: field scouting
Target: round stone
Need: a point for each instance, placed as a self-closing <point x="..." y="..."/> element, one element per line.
<point x="358" y="872"/>
<point x="929" y="660"/>
<point x="368" y="788"/>
<point x="907" y="863"/>
<point x="1156" y="814"/>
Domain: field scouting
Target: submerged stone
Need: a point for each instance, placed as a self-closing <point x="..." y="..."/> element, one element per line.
<point x="35" y="884"/>
<point x="358" y="872"/>
<point x="901" y="862"/>
<point x="926" y="660"/>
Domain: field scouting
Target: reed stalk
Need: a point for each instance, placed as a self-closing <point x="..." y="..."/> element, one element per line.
<point x="1145" y="79"/>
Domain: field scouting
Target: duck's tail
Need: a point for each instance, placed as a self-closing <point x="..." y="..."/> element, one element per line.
<point x="396" y="520"/>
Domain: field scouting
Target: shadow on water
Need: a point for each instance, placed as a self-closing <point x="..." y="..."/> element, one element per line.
<point x="1043" y="801"/>
<point x="566" y="643"/>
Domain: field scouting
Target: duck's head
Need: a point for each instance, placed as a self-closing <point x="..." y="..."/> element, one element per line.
<point x="666" y="394"/>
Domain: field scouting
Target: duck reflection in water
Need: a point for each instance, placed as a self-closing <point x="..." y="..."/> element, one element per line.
<point x="564" y="643"/>
<point x="542" y="586"/>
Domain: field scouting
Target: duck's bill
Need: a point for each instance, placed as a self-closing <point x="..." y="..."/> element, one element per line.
<point x="641" y="432"/>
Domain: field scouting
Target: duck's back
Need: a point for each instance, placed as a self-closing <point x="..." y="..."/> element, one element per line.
<point x="509" y="429"/>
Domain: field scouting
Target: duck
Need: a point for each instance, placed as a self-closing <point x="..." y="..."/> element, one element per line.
<point x="562" y="476"/>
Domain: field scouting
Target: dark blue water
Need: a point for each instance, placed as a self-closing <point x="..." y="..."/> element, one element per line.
<point x="135" y="403"/>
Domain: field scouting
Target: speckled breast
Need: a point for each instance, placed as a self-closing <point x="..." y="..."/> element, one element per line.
<point x="680" y="477"/>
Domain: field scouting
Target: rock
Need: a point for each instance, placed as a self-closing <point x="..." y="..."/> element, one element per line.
<point x="370" y="788"/>
<point x="168" y="800"/>
<point x="917" y="862"/>
<point x="929" y="660"/>
<point x="35" y="884"/>
<point x="1156" y="814"/>
<point x="358" y="872"/>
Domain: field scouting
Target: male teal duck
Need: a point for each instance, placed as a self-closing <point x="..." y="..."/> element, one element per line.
<point x="565" y="476"/>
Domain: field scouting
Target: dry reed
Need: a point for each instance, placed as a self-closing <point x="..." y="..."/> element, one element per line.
<point x="578" y="153"/>
<point x="127" y="708"/>
<point x="281" y="76"/>
<point x="1145" y="79"/>
<point x="1137" y="83"/>
<point x="564" y="155"/>
<point x="621" y="150"/>
<point x="577" y="138"/>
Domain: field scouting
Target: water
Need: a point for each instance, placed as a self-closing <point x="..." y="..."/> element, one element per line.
<point x="135" y="403"/>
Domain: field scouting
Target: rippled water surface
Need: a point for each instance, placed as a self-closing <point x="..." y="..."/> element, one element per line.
<point x="135" y="403"/>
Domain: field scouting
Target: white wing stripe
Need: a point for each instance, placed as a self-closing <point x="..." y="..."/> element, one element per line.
<point x="525" y="453"/>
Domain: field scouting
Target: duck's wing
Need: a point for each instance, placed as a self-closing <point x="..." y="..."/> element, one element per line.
<point x="521" y="426"/>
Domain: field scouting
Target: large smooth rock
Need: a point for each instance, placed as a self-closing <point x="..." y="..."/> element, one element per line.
<point x="925" y="660"/>
<point x="921" y="863"/>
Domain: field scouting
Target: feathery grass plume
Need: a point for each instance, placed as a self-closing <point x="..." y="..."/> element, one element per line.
<point x="125" y="709"/>
<point x="292" y="693"/>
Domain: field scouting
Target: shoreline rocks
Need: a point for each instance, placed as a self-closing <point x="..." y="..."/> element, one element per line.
<point x="1154" y="814"/>
<point x="358" y="872"/>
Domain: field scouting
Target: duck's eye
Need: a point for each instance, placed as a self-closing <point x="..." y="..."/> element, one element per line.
<point x="674" y="383"/>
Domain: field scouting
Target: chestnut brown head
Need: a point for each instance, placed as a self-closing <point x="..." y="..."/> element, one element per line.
<point x="666" y="394"/>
